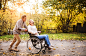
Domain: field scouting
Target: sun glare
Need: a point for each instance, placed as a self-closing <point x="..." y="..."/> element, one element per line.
<point x="28" y="7"/>
<point x="19" y="9"/>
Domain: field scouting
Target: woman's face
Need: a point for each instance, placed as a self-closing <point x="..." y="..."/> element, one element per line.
<point x="31" y="23"/>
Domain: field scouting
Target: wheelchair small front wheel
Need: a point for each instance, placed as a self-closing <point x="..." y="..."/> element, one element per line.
<point x="43" y="51"/>
<point x="34" y="45"/>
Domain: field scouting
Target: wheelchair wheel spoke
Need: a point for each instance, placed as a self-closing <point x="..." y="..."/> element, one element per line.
<point x="34" y="45"/>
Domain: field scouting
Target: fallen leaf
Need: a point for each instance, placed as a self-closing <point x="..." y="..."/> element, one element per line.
<point x="79" y="53"/>
<point x="84" y="40"/>
<point x="46" y="55"/>
<point x="12" y="53"/>
<point x="84" y="46"/>
<point x="82" y="37"/>
<point x="61" y="45"/>
<point x="68" y="54"/>
<point x="21" y="54"/>
<point x="9" y="39"/>
<point x="3" y="52"/>
<point x="28" y="54"/>
<point x="57" y="55"/>
<point x="15" y="54"/>
<point x="36" y="54"/>
<point x="52" y="38"/>
<point x="73" y="48"/>
<point x="1" y="49"/>
<point x="29" y="48"/>
<point x="54" y="49"/>
<point x="73" y="43"/>
<point x="0" y="40"/>
<point x="78" y="46"/>
<point x="72" y="51"/>
<point x="63" y="48"/>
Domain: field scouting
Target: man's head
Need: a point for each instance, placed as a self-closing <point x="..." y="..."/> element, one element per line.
<point x="24" y="18"/>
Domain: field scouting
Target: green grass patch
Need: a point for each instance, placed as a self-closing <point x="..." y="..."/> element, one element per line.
<point x="10" y="37"/>
<point x="58" y="36"/>
<point x="68" y="36"/>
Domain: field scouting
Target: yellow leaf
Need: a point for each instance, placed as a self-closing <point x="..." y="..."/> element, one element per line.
<point x="54" y="49"/>
<point x="3" y="52"/>
<point x="79" y="53"/>
<point x="57" y="55"/>
<point x="78" y="46"/>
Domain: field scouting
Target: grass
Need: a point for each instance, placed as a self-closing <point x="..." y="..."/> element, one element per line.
<point x="58" y="36"/>
<point x="68" y="36"/>
<point x="10" y="37"/>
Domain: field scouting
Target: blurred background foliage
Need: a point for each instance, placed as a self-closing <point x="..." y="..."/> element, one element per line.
<point x="50" y="16"/>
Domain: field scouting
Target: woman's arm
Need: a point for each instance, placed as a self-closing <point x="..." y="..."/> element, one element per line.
<point x="39" y="31"/>
<point x="30" y="31"/>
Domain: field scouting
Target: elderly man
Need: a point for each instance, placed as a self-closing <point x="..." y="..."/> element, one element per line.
<point x="16" y="31"/>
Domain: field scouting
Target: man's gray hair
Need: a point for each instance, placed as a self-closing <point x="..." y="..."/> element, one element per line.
<point x="23" y="16"/>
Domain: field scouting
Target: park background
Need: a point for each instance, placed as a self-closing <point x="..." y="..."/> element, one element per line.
<point x="60" y="19"/>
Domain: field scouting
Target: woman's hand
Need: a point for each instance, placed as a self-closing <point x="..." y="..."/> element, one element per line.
<point x="35" y="33"/>
<point x="39" y="31"/>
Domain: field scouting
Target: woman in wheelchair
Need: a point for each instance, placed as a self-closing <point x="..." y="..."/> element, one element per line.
<point x="33" y="30"/>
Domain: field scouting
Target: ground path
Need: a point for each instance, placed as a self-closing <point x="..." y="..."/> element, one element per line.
<point x="61" y="48"/>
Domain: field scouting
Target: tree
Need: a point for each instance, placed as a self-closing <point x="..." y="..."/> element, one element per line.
<point x="69" y="6"/>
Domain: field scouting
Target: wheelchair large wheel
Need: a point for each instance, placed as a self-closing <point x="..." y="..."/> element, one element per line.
<point x="34" y="45"/>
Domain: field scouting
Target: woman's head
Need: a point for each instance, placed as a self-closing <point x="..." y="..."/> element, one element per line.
<point x="31" y="22"/>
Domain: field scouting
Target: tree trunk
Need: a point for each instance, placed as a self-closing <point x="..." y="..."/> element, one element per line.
<point x="4" y="5"/>
<point x="0" y="4"/>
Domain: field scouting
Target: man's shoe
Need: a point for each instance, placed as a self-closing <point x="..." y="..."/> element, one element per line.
<point x="10" y="49"/>
<point x="16" y="50"/>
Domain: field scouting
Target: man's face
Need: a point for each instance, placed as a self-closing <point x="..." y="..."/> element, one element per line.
<point x="24" y="19"/>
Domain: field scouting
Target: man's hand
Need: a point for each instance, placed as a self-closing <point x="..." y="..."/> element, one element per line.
<point x="25" y="30"/>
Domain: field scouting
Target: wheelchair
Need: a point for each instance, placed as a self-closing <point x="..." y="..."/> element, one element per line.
<point x="35" y="45"/>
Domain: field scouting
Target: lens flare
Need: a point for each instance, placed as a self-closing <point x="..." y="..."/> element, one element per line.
<point x="19" y="9"/>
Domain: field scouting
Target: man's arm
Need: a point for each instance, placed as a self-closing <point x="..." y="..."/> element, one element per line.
<point x="25" y="26"/>
<point x="19" y="26"/>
